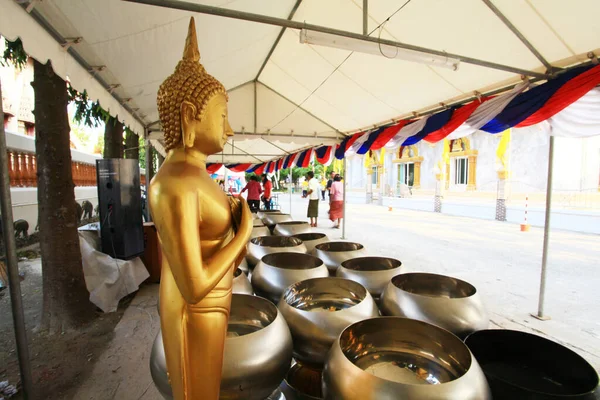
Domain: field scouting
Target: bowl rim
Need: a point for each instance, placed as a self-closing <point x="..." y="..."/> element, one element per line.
<point x="358" y="271"/>
<point x="259" y="299"/>
<point x="284" y="300"/>
<point x="292" y="223"/>
<point x="291" y="253"/>
<point x="310" y="233"/>
<point x="295" y="366"/>
<point x="451" y="336"/>
<point x="254" y="239"/>
<point x="474" y="293"/>
<point x="541" y="338"/>
<point x="338" y="251"/>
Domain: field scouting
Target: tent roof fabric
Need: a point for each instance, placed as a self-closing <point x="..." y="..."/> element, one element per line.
<point x="305" y="95"/>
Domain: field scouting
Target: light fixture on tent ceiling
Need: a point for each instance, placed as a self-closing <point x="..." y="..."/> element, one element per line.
<point x="378" y="49"/>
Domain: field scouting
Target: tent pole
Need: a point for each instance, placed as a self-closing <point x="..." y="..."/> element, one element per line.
<point x="14" y="285"/>
<point x="290" y="189"/>
<point x="365" y="17"/>
<point x="344" y="202"/>
<point x="255" y="108"/>
<point x="540" y="314"/>
<point x="149" y="170"/>
<point x="265" y="19"/>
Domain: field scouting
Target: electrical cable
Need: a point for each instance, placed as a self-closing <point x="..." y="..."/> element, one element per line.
<point x="338" y="67"/>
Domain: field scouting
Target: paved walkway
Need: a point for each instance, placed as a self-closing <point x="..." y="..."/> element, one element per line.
<point x="500" y="261"/>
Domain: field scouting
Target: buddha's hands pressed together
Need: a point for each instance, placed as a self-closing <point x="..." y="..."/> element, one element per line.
<point x="242" y="217"/>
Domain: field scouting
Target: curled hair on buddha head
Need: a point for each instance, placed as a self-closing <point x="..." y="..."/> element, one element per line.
<point x="190" y="82"/>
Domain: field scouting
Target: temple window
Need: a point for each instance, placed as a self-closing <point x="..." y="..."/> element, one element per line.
<point x="375" y="176"/>
<point x="462" y="164"/>
<point x="408" y="167"/>
<point x="461" y="170"/>
<point x="406" y="174"/>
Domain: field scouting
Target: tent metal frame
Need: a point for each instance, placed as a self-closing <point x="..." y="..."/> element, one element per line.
<point x="265" y="19"/>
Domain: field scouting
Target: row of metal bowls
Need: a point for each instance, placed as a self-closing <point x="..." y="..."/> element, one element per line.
<point x="334" y="322"/>
<point x="436" y="299"/>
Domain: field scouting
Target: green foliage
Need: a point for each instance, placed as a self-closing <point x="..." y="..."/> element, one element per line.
<point x="142" y="156"/>
<point x="14" y="54"/>
<point x="99" y="147"/>
<point x="81" y="135"/>
<point x="86" y="112"/>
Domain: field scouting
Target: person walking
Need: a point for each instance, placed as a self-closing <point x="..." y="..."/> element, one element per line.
<point x="313" y="199"/>
<point x="329" y="183"/>
<point x="323" y="187"/>
<point x="267" y="187"/>
<point x="254" y="191"/>
<point x="336" y="201"/>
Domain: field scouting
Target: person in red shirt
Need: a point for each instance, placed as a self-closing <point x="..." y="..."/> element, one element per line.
<point x="254" y="191"/>
<point x="267" y="186"/>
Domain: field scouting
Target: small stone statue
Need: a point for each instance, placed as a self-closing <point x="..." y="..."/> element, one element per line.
<point x="88" y="208"/>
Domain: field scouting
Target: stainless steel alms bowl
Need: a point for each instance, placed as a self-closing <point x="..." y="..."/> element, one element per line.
<point x="258" y="352"/>
<point x="261" y="246"/>
<point x="275" y="272"/>
<point x="311" y="240"/>
<point x="276" y="218"/>
<point x="259" y="231"/>
<point x="302" y="383"/>
<point x="450" y="303"/>
<point x="244" y="266"/>
<point x="291" y="228"/>
<point x="400" y="358"/>
<point x="520" y="365"/>
<point x="318" y="309"/>
<point x="241" y="284"/>
<point x="334" y="254"/>
<point x="261" y="213"/>
<point x="374" y="273"/>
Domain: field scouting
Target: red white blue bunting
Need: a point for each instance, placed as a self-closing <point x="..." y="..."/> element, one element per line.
<point x="554" y="102"/>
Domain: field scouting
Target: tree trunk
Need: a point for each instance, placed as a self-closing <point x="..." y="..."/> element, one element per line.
<point x="113" y="139"/>
<point x="132" y="145"/>
<point x="66" y="299"/>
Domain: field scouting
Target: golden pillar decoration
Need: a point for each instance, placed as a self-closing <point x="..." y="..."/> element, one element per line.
<point x="202" y="233"/>
<point x="472" y="161"/>
<point x="417" y="177"/>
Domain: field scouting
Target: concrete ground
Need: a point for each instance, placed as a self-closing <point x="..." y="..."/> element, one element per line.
<point x="499" y="260"/>
<point x="123" y="370"/>
<point x="503" y="263"/>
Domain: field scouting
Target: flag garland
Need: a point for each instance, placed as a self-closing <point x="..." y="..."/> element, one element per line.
<point x="520" y="107"/>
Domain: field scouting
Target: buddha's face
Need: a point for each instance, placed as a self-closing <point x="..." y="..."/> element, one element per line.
<point x="209" y="135"/>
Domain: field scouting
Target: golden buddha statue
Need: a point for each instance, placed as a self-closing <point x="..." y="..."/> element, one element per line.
<point x="202" y="234"/>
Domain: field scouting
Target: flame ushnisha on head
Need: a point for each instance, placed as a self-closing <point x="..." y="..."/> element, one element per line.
<point x="190" y="82"/>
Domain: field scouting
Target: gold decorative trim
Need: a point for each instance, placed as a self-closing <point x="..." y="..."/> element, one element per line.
<point x="408" y="160"/>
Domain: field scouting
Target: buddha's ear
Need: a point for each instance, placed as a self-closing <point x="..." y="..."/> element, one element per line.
<point x="188" y="120"/>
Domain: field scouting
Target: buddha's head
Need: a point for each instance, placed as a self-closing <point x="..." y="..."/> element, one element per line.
<point x="192" y="104"/>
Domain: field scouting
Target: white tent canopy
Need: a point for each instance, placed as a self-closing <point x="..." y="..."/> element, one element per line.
<point x="284" y="95"/>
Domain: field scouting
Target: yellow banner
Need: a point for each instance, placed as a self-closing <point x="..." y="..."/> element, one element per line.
<point x="367" y="160"/>
<point x="501" y="155"/>
<point x="382" y="156"/>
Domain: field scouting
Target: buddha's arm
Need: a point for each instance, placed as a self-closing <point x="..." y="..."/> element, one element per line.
<point x="178" y="225"/>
